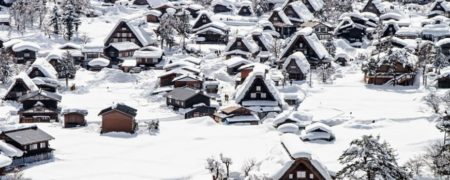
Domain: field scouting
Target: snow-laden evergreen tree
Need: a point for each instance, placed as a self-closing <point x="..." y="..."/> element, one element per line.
<point x="166" y="29"/>
<point x="325" y="72"/>
<point x="18" y="13"/>
<point x="40" y="10"/>
<point x="5" y="68"/>
<point x="66" y="68"/>
<point x="367" y="158"/>
<point x="54" y="20"/>
<point x="70" y="19"/>
<point x="434" y="101"/>
<point x="438" y="158"/>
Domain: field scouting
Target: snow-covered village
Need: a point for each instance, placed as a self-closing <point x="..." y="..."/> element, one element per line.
<point x="224" y="89"/>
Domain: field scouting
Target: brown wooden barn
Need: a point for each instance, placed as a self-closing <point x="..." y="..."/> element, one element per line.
<point x="199" y="111"/>
<point x="153" y="16"/>
<point x="125" y="31"/>
<point x="282" y="23"/>
<point x="208" y="31"/>
<point x="74" y="117"/>
<point x="241" y="46"/>
<point x="188" y="80"/>
<point x="297" y="12"/>
<point x="118" y="118"/>
<point x="296" y="66"/>
<point x="148" y="56"/>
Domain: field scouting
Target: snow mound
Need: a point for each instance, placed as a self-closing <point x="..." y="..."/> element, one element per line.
<point x="206" y="121"/>
<point x="114" y="76"/>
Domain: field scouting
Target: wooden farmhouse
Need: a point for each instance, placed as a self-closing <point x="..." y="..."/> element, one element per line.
<point x="148" y="56"/>
<point x="208" y="31"/>
<point x="222" y="6"/>
<point x="234" y="63"/>
<point x="42" y="68"/>
<point x="188" y="80"/>
<point x="282" y="24"/>
<point x="246" y="9"/>
<point x="236" y="115"/>
<point x="439" y="7"/>
<point x="353" y="29"/>
<point x="241" y="46"/>
<point x="24" y="52"/>
<point x="323" y="30"/>
<point x="32" y="142"/>
<point x="118" y="118"/>
<point x="21" y="85"/>
<point x="153" y="16"/>
<point x="373" y="6"/>
<point x="39" y="106"/>
<point x="186" y="98"/>
<point x="390" y="28"/>
<point x="314" y="5"/>
<point x="299" y="163"/>
<point x="307" y="42"/>
<point x="296" y="66"/>
<point x="297" y="12"/>
<point x="118" y="51"/>
<point x="199" y="110"/>
<point x="259" y="94"/>
<point x="127" y="32"/>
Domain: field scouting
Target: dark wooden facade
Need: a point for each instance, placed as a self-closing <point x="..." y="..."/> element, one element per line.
<point x="118" y="118"/>
<point x="220" y="8"/>
<point x="401" y="75"/>
<point x="300" y="44"/>
<point x="186" y="98"/>
<point x="302" y="168"/>
<point x="245" y="10"/>
<point x="238" y="44"/>
<point x="258" y="91"/>
<point x="188" y="81"/>
<point x="233" y="111"/>
<point x="123" y="33"/>
<point x="200" y="111"/>
<point x="283" y="28"/>
<point x="116" y="56"/>
<point x="22" y="57"/>
<point x="294" y="72"/>
<point x="18" y="89"/>
<point x="73" y="119"/>
<point x="372" y="8"/>
<point x="444" y="81"/>
<point x="39" y="106"/>
<point x="389" y="31"/>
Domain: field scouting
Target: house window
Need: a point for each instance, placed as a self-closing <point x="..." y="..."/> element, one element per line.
<point x="33" y="147"/>
<point x="26" y="55"/>
<point x="203" y="20"/>
<point x="124" y="34"/>
<point x="253" y="95"/>
<point x="301" y="174"/>
<point x="124" y="28"/>
<point x="239" y="43"/>
<point x="275" y="18"/>
<point x="291" y="176"/>
<point x="196" y="114"/>
<point x="18" y="94"/>
<point x="301" y="45"/>
<point x="258" y="88"/>
<point x="263" y="95"/>
<point x="43" y="145"/>
<point x="182" y="103"/>
<point x="311" y="176"/>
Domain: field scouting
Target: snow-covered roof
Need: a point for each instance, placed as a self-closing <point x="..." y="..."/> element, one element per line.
<point x="436" y="30"/>
<point x="226" y="3"/>
<point x="282" y="16"/>
<point x="74" y="110"/>
<point x="408" y="31"/>
<point x="296" y="149"/>
<point x="391" y="22"/>
<point x="144" y="37"/>
<point x="443" y="41"/>
<point x="217" y="24"/>
<point x="288" y="128"/>
<point x="93" y="47"/>
<point x="46" y="81"/>
<point x="154" y="12"/>
<point x="25" y="45"/>
<point x="248" y="42"/>
<point x="317" y="5"/>
<point x="102" y="62"/>
<point x="11" y="42"/>
<point x="148" y="52"/>
<point x="300" y="60"/>
<point x="312" y="40"/>
<point x="301" y="118"/>
<point x="244" y="118"/>
<point x="26" y="79"/>
<point x="4" y="161"/>
<point x="235" y="60"/>
<point x="187" y="77"/>
<point x="45" y="67"/>
<point x="70" y="45"/>
<point x="443" y="3"/>
<point x="302" y="11"/>
<point x="129" y="63"/>
<point x="124" y="46"/>
<point x="9" y="150"/>
<point x="391" y="15"/>
<point x="318" y="126"/>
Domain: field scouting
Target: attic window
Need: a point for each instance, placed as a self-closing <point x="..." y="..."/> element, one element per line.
<point x="33" y="147"/>
<point x="311" y="176"/>
<point x="275" y="18"/>
<point x="263" y="95"/>
<point x="124" y="29"/>
<point x="204" y="20"/>
<point x="301" y="174"/>
<point x="239" y="43"/>
<point x="258" y="88"/>
<point x="26" y="55"/>
<point x="253" y="95"/>
<point x="291" y="176"/>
